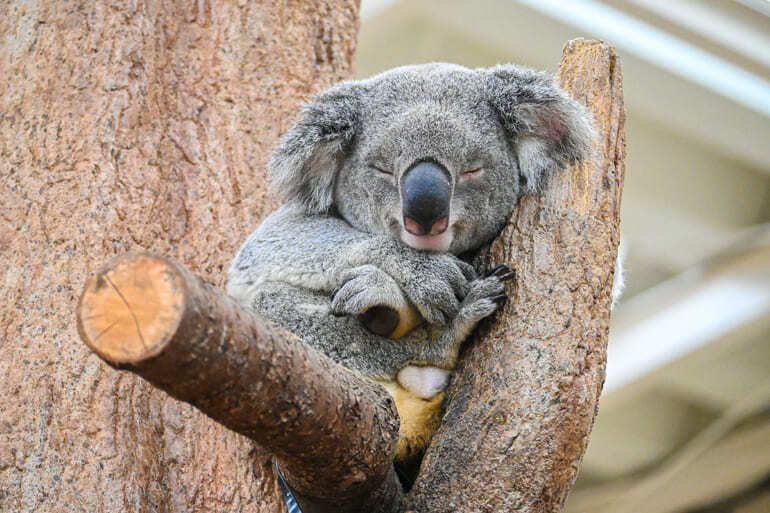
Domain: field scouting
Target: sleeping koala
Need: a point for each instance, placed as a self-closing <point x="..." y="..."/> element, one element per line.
<point x="386" y="182"/>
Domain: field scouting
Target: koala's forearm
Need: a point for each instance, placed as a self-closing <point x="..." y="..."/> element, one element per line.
<point x="300" y="250"/>
<point x="307" y="315"/>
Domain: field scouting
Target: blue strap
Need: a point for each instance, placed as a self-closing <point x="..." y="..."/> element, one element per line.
<point x="288" y="497"/>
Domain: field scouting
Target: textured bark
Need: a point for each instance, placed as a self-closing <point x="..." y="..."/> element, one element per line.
<point x="134" y="126"/>
<point x="188" y="338"/>
<point x="523" y="401"/>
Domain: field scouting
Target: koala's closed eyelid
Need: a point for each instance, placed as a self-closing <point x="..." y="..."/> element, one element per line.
<point x="473" y="173"/>
<point x="381" y="169"/>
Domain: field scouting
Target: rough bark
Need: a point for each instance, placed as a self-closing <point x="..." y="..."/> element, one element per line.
<point x="134" y="126"/>
<point x="188" y="338"/>
<point x="523" y="401"/>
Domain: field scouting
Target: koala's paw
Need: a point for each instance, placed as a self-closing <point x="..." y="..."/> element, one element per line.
<point x="437" y="286"/>
<point x="484" y="296"/>
<point x="364" y="287"/>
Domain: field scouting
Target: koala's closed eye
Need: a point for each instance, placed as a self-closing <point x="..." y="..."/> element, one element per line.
<point x="474" y="172"/>
<point x="382" y="169"/>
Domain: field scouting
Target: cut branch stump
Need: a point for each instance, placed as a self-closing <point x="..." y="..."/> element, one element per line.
<point x="186" y="337"/>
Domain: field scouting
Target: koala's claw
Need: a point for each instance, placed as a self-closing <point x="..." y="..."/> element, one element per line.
<point x="483" y="298"/>
<point x="501" y="299"/>
<point x="497" y="269"/>
<point x="502" y="272"/>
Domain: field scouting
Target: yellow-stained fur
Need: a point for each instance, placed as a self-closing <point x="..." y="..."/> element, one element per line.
<point x="419" y="418"/>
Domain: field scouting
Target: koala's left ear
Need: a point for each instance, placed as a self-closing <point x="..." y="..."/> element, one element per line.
<point x="304" y="166"/>
<point x="550" y="130"/>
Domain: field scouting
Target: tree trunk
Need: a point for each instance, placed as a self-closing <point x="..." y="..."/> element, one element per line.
<point x="136" y="126"/>
<point x="522" y="403"/>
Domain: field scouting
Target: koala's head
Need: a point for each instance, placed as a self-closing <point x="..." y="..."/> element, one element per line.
<point x="434" y="155"/>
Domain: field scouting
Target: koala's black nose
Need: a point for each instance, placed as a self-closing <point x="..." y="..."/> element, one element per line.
<point x="426" y="192"/>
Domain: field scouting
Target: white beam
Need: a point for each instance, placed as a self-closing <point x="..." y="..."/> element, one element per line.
<point x="662" y="49"/>
<point x="690" y="311"/>
<point x="708" y="21"/>
<point x="371" y="8"/>
<point x="760" y="6"/>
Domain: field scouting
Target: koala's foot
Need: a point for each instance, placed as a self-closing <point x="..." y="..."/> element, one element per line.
<point x="484" y="296"/>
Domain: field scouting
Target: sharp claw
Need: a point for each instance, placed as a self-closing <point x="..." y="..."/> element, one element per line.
<point x="501" y="299"/>
<point x="495" y="270"/>
<point x="508" y="276"/>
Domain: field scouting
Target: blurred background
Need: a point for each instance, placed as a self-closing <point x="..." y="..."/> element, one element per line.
<point x="684" y="421"/>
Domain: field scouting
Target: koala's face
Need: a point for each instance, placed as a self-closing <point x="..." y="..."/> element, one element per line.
<point x="433" y="155"/>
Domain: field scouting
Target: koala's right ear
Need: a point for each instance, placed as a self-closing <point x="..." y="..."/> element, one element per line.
<point x="305" y="164"/>
<point x="549" y="129"/>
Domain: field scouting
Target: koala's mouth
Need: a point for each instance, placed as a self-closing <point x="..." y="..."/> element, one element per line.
<point x="440" y="242"/>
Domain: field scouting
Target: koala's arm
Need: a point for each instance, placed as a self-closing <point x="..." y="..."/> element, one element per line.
<point x="293" y="248"/>
<point x="308" y="315"/>
<point x="315" y="251"/>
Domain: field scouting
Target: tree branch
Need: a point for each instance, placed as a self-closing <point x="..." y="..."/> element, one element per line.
<point x="152" y="317"/>
<point x="523" y="400"/>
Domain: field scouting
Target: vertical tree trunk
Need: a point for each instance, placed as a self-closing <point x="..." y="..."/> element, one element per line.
<point x="523" y="401"/>
<point x="128" y="126"/>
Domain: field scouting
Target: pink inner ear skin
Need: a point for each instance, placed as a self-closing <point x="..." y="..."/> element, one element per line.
<point x="553" y="127"/>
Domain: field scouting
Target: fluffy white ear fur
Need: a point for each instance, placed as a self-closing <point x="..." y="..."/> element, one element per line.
<point x="534" y="162"/>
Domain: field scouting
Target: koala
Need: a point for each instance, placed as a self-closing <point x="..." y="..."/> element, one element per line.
<point x="389" y="183"/>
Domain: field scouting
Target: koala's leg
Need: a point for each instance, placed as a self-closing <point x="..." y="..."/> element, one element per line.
<point x="420" y="385"/>
<point x="414" y="370"/>
<point x="419" y="419"/>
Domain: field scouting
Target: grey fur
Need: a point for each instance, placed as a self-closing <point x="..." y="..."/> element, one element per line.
<point x="337" y="246"/>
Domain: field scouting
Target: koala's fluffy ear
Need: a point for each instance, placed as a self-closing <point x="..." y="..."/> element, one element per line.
<point x="305" y="164"/>
<point x="549" y="129"/>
